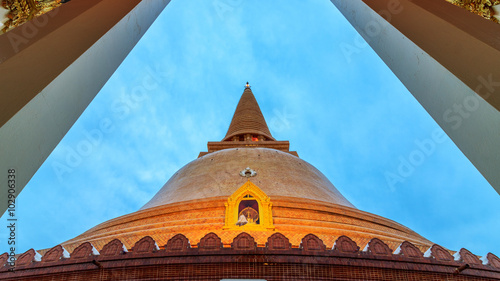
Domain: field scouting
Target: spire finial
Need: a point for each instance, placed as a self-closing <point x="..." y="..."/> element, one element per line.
<point x="248" y="121"/>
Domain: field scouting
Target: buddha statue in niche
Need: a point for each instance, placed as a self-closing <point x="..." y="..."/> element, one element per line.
<point x="248" y="212"/>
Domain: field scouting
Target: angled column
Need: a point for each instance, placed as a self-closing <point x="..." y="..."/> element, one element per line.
<point x="448" y="58"/>
<point x="50" y="70"/>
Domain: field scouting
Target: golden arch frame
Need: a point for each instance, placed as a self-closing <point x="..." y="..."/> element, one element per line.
<point x="265" y="211"/>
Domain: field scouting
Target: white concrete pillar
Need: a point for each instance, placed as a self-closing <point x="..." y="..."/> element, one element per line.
<point x="449" y="59"/>
<point x="52" y="68"/>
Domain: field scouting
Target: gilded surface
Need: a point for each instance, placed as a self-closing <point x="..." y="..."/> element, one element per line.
<point x="17" y="12"/>
<point x="484" y="8"/>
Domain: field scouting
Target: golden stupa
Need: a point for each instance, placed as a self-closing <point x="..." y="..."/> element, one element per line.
<point x="249" y="209"/>
<point x="248" y="182"/>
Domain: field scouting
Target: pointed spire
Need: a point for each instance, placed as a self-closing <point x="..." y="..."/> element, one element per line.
<point x="248" y="129"/>
<point x="248" y="118"/>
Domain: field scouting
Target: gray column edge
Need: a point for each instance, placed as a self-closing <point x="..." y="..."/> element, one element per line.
<point x="29" y="137"/>
<point x="471" y="122"/>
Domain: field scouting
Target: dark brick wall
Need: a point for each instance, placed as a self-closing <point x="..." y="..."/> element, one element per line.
<point x="257" y="270"/>
<point x="177" y="260"/>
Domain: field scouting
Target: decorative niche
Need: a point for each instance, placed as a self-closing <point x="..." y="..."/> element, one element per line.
<point x="248" y="208"/>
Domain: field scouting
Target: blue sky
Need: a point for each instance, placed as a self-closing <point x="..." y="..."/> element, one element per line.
<point x="347" y="115"/>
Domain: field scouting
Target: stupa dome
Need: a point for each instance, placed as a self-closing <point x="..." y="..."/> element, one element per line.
<point x="218" y="174"/>
<point x="289" y="195"/>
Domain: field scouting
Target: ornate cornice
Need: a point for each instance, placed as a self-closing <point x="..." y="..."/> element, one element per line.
<point x="276" y="251"/>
